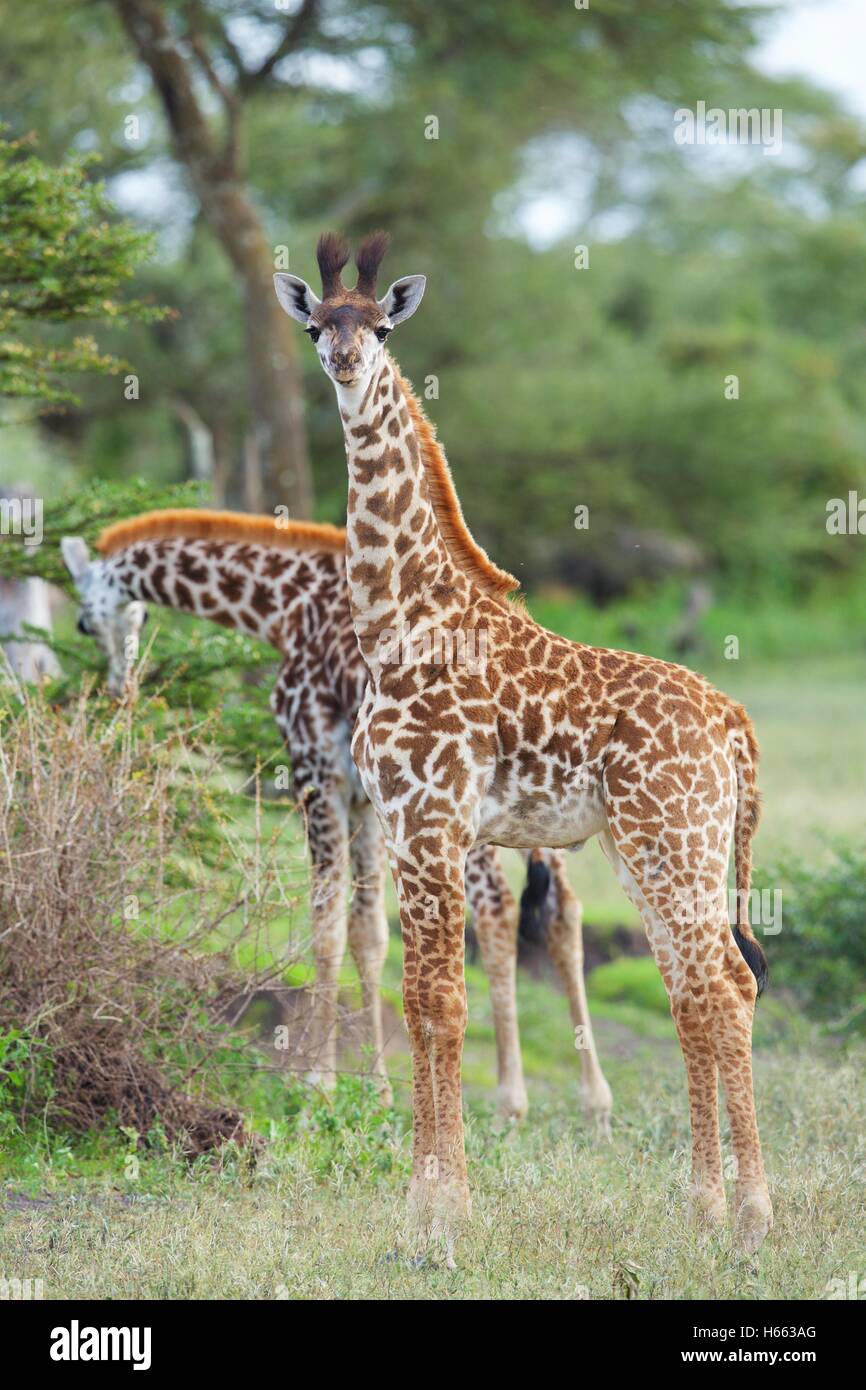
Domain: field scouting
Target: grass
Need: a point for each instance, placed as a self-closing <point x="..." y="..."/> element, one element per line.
<point x="557" y="1214"/>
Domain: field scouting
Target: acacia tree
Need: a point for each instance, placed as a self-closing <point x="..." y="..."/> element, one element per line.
<point x="63" y="260"/>
<point x="177" y="50"/>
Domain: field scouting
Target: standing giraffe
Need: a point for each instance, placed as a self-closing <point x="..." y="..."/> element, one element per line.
<point x="287" y="586"/>
<point x="544" y="742"/>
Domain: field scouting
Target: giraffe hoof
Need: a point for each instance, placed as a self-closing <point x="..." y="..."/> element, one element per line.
<point x="754" y="1220"/>
<point x="512" y="1103"/>
<point x="707" y="1210"/>
<point x="598" y="1108"/>
<point x="452" y="1210"/>
<point x="601" y="1122"/>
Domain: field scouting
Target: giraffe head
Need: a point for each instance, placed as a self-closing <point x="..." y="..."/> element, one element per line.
<point x="349" y="327"/>
<point x="106" y="612"/>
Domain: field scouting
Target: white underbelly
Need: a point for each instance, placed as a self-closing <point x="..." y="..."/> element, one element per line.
<point x="531" y="821"/>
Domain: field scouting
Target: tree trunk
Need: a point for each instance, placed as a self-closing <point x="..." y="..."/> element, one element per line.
<point x="275" y="384"/>
<point x="275" y="390"/>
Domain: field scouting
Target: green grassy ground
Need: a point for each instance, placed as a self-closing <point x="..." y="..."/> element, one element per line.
<point x="558" y="1213"/>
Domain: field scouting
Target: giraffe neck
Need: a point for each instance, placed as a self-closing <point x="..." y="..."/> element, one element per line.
<point x="401" y="575"/>
<point x="257" y="590"/>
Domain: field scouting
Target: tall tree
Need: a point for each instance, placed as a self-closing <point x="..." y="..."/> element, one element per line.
<point x="277" y="446"/>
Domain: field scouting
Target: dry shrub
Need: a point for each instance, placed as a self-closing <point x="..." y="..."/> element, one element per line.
<point x="108" y="964"/>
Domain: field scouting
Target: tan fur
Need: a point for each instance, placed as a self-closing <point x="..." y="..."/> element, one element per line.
<point x="463" y="548"/>
<point x="221" y="526"/>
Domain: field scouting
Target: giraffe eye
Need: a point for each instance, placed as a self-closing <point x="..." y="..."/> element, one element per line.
<point x="315" y="333"/>
<point x="382" y="334"/>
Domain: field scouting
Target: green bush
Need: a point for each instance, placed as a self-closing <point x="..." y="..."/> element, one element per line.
<point x="820" y="953"/>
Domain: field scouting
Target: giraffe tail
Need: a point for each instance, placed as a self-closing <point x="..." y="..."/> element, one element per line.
<point x="535" y="900"/>
<point x="745" y="749"/>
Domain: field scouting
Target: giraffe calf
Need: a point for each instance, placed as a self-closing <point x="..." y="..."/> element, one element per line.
<point x="543" y="742"/>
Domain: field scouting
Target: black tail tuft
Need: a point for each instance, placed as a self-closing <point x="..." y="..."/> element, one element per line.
<point x="534" y="902"/>
<point x="754" y="958"/>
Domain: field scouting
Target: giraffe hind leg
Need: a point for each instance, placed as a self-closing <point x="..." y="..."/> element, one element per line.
<point x="707" y="1201"/>
<point x="712" y="993"/>
<point x="494" y="914"/>
<point x="565" y="944"/>
<point x="327" y="835"/>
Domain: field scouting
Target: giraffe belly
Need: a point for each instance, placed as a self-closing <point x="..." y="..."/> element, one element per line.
<point x="542" y="818"/>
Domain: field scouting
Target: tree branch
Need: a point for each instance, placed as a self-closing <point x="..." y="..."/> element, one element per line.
<point x="295" y="33"/>
<point x="145" y="23"/>
<point x="196" y="22"/>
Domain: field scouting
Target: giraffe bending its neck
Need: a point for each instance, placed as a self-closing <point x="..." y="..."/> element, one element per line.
<point x="287" y="586"/>
<point x="543" y="742"/>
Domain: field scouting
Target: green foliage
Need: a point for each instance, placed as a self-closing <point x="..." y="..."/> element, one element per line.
<point x="769" y="623"/>
<point x="820" y="953"/>
<point x="85" y="511"/>
<point x="344" y="1136"/>
<point x="630" y="980"/>
<point x="64" y="258"/>
<point x="24" y="1064"/>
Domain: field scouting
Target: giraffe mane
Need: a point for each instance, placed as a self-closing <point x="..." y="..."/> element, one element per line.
<point x="191" y="524"/>
<point x="464" y="550"/>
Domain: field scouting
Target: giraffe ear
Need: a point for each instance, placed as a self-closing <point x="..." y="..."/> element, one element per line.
<point x="295" y="296"/>
<point x="76" y="556"/>
<point x="403" y="297"/>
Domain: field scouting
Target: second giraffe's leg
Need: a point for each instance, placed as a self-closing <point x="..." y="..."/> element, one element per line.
<point x="495" y="917"/>
<point x="428" y="873"/>
<point x="328" y="838"/>
<point x="565" y="943"/>
<point x="368" y="930"/>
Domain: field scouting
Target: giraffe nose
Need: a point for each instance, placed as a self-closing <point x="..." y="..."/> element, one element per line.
<point x="344" y="361"/>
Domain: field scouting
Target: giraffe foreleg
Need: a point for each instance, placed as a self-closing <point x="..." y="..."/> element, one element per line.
<point x="428" y="872"/>
<point x="328" y="840"/>
<point x="368" y="931"/>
